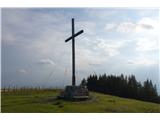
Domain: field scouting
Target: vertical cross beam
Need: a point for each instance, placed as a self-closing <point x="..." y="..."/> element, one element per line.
<point x="73" y="55"/>
<point x="73" y="51"/>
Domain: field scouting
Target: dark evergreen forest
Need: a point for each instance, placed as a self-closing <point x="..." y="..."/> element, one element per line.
<point x="123" y="86"/>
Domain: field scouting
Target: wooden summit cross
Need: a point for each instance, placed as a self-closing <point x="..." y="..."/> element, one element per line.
<point x="73" y="92"/>
<point x="73" y="51"/>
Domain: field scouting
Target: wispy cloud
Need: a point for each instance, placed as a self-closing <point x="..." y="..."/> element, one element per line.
<point x="101" y="13"/>
<point x="110" y="47"/>
<point x="90" y="27"/>
<point x="130" y="27"/>
<point x="110" y="26"/>
<point x="126" y="27"/>
<point x="46" y="62"/>
<point x="22" y="71"/>
<point x="147" y="44"/>
<point x="142" y="62"/>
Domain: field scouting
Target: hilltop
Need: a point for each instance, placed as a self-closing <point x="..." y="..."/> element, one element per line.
<point x="45" y="101"/>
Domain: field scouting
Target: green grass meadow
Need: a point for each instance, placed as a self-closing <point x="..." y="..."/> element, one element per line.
<point x="44" y="101"/>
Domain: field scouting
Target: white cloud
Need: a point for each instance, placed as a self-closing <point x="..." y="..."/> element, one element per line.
<point x="86" y="56"/>
<point x="143" y="33"/>
<point x="146" y="44"/>
<point x="9" y="38"/>
<point x="101" y="13"/>
<point x="143" y="25"/>
<point x="46" y="62"/>
<point x="110" y="48"/>
<point x="126" y="27"/>
<point x="21" y="25"/>
<point x="148" y="26"/>
<point x="88" y="27"/>
<point x="89" y="55"/>
<point x="143" y="62"/>
<point x="110" y="26"/>
<point x="22" y="71"/>
<point x="148" y="21"/>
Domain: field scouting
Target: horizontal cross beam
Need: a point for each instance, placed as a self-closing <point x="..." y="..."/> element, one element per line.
<point x="78" y="33"/>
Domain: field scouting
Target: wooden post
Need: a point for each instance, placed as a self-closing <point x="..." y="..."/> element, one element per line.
<point x="73" y="51"/>
<point x="73" y="55"/>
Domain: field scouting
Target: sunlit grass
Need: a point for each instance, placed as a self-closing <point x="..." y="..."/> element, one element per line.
<point x="45" y="101"/>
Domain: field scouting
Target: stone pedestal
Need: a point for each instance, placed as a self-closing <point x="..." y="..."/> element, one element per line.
<point x="74" y="92"/>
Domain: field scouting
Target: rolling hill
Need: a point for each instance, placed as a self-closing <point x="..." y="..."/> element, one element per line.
<point x="44" y="101"/>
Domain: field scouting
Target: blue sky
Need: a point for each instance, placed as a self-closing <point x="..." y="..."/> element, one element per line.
<point x="114" y="41"/>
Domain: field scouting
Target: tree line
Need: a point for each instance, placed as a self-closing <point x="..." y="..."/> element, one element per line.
<point x="123" y="86"/>
<point x="25" y="90"/>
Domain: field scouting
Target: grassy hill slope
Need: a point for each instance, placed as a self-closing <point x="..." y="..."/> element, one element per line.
<point x="45" y="101"/>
